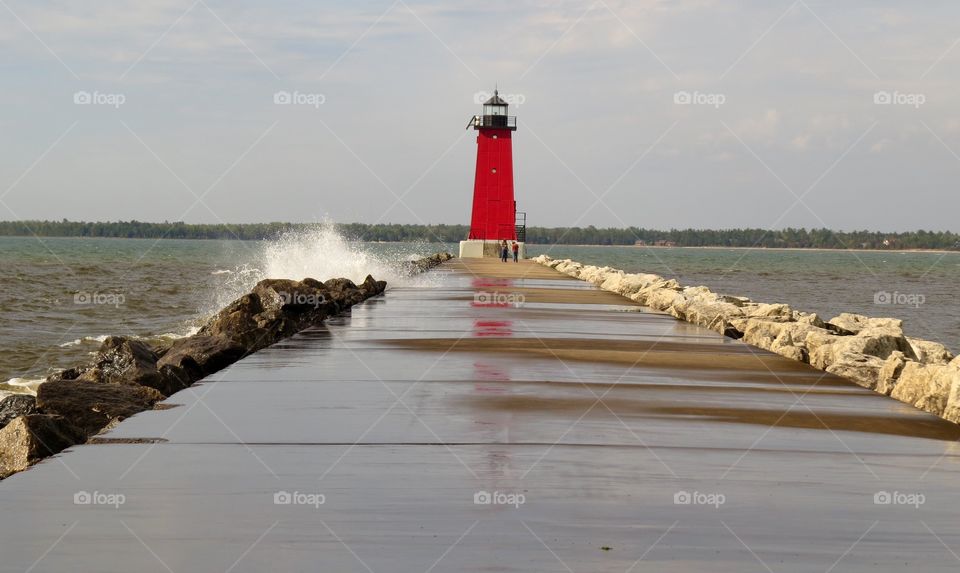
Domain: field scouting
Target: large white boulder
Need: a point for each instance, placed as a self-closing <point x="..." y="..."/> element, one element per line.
<point x="786" y="346"/>
<point x="926" y="386"/>
<point x="769" y="311"/>
<point x="662" y="298"/>
<point x="890" y="372"/>
<point x="854" y="323"/>
<point x="628" y="284"/>
<point x="860" y="368"/>
<point x="952" y="411"/>
<point x="930" y="352"/>
<point x="879" y="341"/>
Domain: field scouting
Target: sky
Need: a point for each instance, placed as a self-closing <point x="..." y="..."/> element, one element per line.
<point x="648" y="113"/>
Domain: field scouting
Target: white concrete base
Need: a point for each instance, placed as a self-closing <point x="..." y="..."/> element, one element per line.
<point x="478" y="248"/>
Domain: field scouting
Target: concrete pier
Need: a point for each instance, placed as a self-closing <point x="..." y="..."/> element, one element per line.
<point x="502" y="418"/>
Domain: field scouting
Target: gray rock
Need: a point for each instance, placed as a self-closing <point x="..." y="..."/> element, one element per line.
<point x="425" y="264"/>
<point x="190" y="359"/>
<point x="237" y="322"/>
<point x="16" y="405"/>
<point x="27" y="439"/>
<point x="92" y="406"/>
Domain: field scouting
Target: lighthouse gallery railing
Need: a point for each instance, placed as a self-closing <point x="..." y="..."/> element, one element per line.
<point x="495" y="121"/>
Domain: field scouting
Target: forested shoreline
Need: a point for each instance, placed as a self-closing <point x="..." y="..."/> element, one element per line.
<point x="780" y="238"/>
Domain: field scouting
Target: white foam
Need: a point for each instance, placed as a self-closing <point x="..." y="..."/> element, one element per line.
<point x="20" y="386"/>
<point x="176" y="335"/>
<point x="318" y="252"/>
<point x="79" y="341"/>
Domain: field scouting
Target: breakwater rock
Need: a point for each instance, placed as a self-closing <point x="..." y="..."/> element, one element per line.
<point x="872" y="352"/>
<point x="128" y="376"/>
<point x="426" y="263"/>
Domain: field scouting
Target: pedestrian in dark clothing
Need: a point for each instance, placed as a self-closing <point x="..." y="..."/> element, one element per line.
<point x="503" y="251"/>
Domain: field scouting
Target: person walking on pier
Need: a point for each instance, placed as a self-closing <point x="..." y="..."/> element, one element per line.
<point x="503" y="251"/>
<point x="516" y="251"/>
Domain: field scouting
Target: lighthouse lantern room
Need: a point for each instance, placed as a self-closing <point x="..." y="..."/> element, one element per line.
<point x="494" y="217"/>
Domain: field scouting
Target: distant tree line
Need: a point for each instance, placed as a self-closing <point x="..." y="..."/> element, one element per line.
<point x="792" y="238"/>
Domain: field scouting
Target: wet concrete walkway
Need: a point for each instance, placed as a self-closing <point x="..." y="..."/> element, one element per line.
<point x="506" y="418"/>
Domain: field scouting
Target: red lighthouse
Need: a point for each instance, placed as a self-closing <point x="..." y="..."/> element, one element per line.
<point x="494" y="217"/>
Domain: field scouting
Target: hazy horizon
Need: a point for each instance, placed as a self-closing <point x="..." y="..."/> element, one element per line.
<point x="467" y="224"/>
<point x="654" y="114"/>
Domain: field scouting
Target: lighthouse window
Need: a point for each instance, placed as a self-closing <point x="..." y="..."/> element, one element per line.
<point x="494" y="136"/>
<point x="494" y="170"/>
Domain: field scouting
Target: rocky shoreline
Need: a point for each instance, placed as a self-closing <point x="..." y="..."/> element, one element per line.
<point x="426" y="263"/>
<point x="872" y="352"/>
<point x="128" y="376"/>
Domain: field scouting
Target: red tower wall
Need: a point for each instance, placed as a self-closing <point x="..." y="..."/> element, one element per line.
<point x="494" y="210"/>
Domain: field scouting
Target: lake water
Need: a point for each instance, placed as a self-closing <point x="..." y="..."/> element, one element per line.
<point x="59" y="297"/>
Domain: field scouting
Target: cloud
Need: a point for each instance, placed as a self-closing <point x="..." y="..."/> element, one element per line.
<point x="598" y="86"/>
<point x="763" y="128"/>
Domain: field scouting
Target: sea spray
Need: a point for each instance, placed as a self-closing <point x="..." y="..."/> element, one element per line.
<point x="20" y="386"/>
<point x="169" y="287"/>
<point x="321" y="252"/>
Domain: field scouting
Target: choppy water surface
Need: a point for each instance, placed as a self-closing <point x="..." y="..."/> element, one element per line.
<point x="59" y="297"/>
<point x="920" y="288"/>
